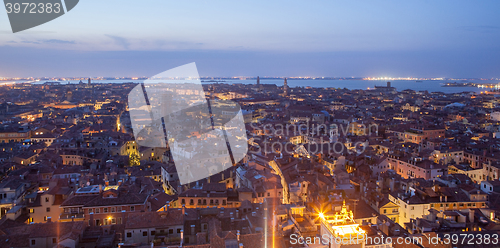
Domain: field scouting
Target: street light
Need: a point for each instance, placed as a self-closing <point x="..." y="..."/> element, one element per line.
<point x="322" y="216"/>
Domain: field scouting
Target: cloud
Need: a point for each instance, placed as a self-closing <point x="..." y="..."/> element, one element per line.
<point x="481" y="28"/>
<point x="120" y="41"/>
<point x="56" y="41"/>
<point x="50" y="41"/>
<point x="30" y="42"/>
<point x="31" y="62"/>
<point x="29" y="32"/>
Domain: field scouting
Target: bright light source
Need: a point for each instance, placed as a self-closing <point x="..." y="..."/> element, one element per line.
<point x="321" y="215"/>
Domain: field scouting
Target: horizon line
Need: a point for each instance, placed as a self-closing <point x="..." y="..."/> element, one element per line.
<point x="243" y="78"/>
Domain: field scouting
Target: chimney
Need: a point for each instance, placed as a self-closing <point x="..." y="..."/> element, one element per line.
<point x="445" y="198"/>
<point x="208" y="179"/>
<point x="49" y="219"/>
<point x="107" y="182"/>
<point x="119" y="182"/>
<point x="238" y="235"/>
<point x="182" y="237"/>
<point x="124" y="215"/>
<point x="168" y="206"/>
<point x="183" y="209"/>
<point x="237" y="214"/>
<point x="91" y="224"/>
<point x="471" y="215"/>
<point x="440" y="198"/>
<point x="222" y="176"/>
<point x="241" y="245"/>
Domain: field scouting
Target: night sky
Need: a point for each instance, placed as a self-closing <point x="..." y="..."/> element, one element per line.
<point x="265" y="38"/>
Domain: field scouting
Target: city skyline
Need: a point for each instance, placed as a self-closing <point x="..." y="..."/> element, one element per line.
<point x="72" y="78"/>
<point x="332" y="161"/>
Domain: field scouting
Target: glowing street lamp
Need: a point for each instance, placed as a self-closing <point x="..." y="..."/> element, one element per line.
<point x="322" y="216"/>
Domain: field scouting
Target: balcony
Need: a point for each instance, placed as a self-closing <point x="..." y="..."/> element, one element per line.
<point x="9" y="200"/>
<point x="454" y="224"/>
<point x="165" y="238"/>
<point x="71" y="216"/>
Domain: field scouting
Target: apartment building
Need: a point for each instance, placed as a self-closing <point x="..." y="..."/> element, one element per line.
<point x="12" y="191"/>
<point x="100" y="208"/>
<point x="45" y="206"/>
<point x="416" y="203"/>
<point x="145" y="228"/>
<point x="209" y="195"/>
<point x="418" y="135"/>
<point x="411" y="167"/>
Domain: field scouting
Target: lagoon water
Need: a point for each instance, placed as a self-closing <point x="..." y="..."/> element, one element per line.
<point x="429" y="85"/>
